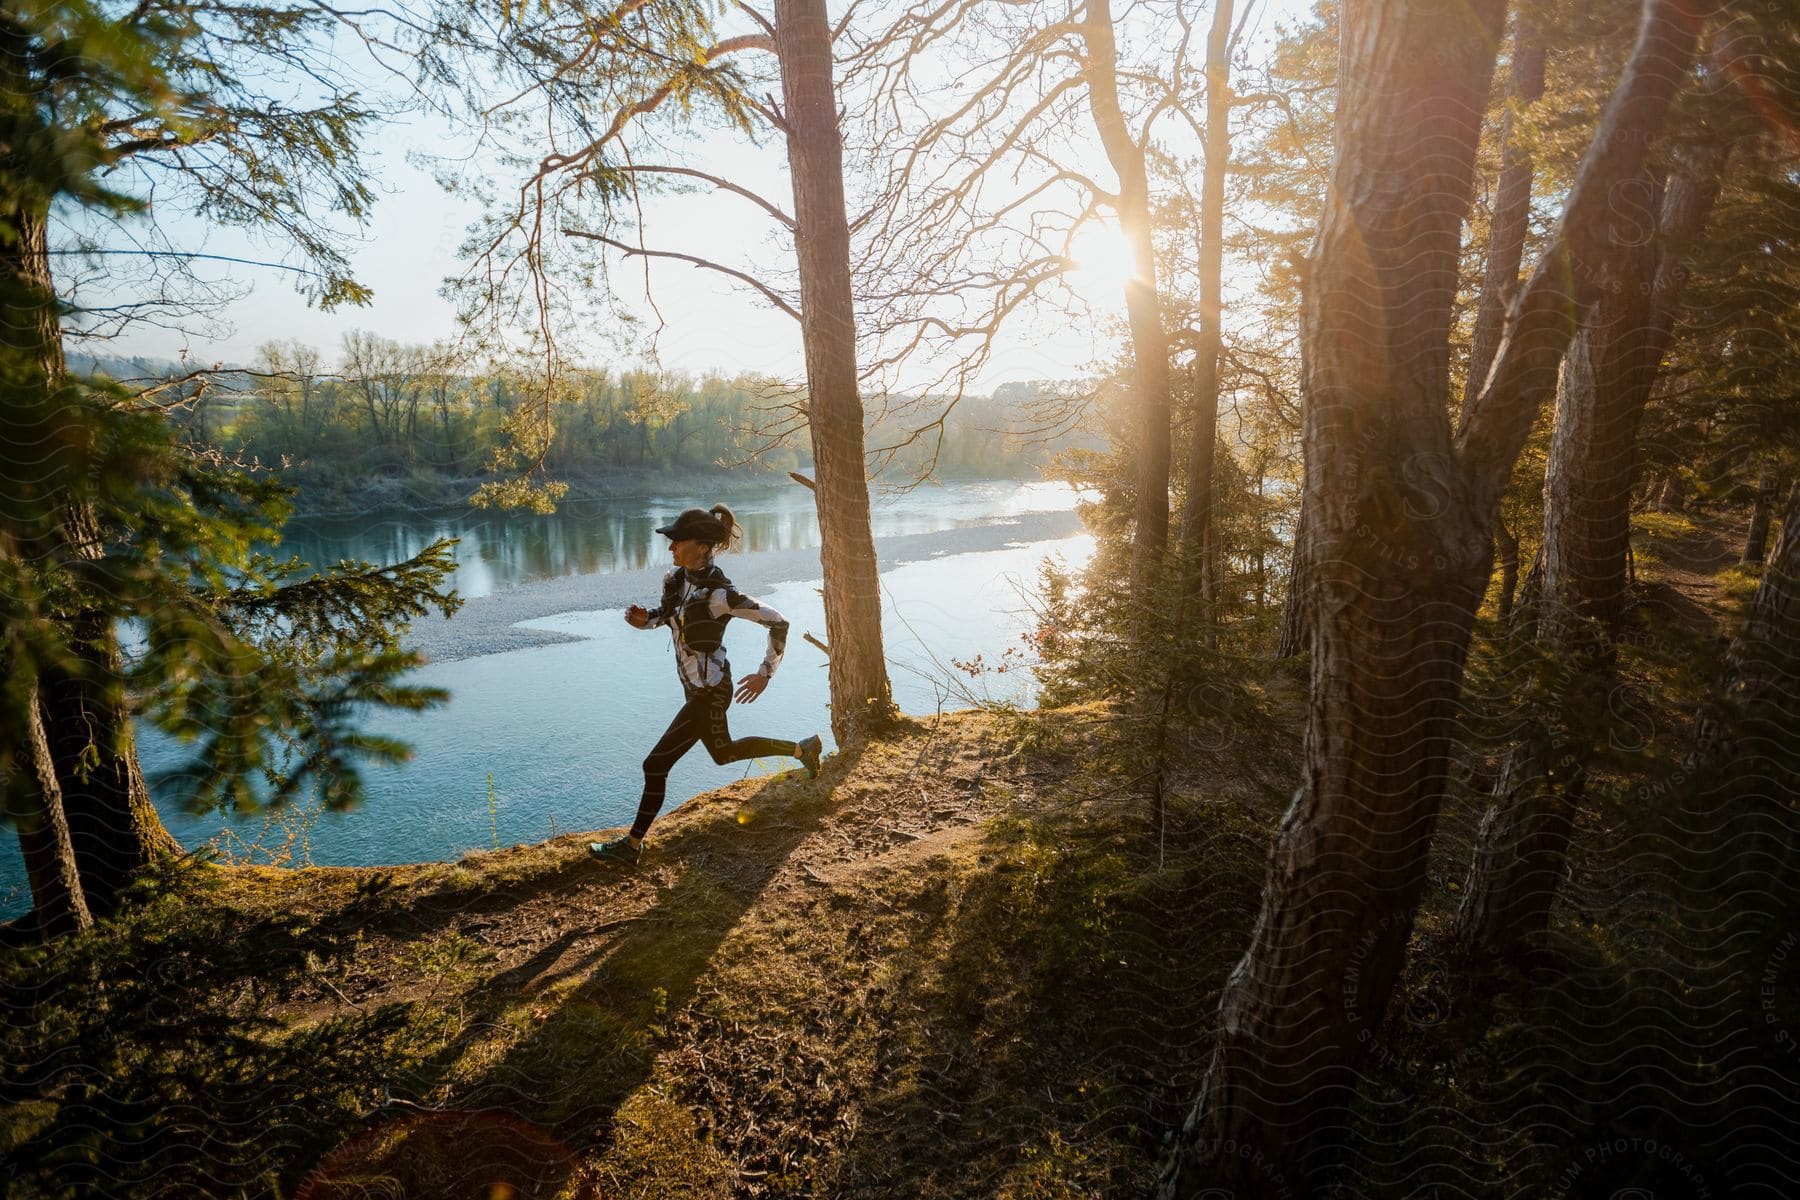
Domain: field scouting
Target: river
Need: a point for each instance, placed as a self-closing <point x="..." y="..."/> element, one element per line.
<point x="556" y="700"/>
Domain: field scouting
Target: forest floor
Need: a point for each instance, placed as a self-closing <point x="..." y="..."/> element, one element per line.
<point x="979" y="958"/>
<point x="956" y="964"/>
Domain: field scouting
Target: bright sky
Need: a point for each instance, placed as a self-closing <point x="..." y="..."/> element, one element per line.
<point x="708" y="322"/>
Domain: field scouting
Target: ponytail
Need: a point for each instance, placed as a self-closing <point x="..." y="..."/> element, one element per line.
<point x="733" y="531"/>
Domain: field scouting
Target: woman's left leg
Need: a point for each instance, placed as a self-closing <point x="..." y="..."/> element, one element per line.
<point x="688" y="727"/>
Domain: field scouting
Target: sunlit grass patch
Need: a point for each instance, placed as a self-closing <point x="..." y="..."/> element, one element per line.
<point x="570" y="1068"/>
<point x="1656" y="525"/>
<point x="1056" y="1167"/>
<point x="659" y="1153"/>
<point x="1739" y="582"/>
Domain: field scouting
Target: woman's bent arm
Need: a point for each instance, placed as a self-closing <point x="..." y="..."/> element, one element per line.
<point x="664" y="612"/>
<point x="728" y="601"/>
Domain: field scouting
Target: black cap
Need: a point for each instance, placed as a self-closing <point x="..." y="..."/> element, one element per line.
<point x="696" y="524"/>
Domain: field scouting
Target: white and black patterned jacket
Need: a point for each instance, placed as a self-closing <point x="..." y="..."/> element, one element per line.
<point x="695" y="606"/>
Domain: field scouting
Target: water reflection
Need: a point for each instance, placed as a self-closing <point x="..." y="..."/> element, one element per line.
<point x="585" y="537"/>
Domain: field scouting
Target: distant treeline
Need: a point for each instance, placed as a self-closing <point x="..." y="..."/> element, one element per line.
<point x="393" y="421"/>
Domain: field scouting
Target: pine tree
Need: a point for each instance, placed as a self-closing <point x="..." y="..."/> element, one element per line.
<point x="103" y="519"/>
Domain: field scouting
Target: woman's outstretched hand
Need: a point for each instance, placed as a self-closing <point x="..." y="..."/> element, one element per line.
<point x="750" y="687"/>
<point x="637" y="616"/>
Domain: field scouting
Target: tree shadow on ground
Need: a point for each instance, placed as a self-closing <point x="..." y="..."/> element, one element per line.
<point x="549" y="1049"/>
<point x="1057" y="1008"/>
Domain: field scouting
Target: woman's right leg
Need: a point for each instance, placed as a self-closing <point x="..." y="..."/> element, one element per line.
<point x="716" y="733"/>
<point x="687" y="728"/>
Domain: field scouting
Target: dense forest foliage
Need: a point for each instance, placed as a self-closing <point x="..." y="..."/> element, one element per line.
<point x="414" y="423"/>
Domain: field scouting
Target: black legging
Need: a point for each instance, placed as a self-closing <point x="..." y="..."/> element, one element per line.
<point x="701" y="719"/>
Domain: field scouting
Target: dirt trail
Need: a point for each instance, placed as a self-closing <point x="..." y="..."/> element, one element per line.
<point x="1687" y="561"/>
<point x="544" y="914"/>
<point x="758" y="981"/>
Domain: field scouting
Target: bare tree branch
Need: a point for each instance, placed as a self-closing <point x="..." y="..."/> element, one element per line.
<point x="724" y="185"/>
<point x="631" y="251"/>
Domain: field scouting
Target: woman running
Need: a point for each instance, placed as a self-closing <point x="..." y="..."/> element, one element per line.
<point x="697" y="601"/>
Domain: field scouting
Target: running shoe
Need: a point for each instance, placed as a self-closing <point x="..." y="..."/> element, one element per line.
<point x="619" y="850"/>
<point x="809" y="755"/>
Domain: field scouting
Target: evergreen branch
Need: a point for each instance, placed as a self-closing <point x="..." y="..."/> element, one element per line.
<point x="650" y="103"/>
<point x="353" y="604"/>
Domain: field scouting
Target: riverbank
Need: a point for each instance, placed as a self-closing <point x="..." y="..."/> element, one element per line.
<point x="945" y="968"/>
<point x="539" y="658"/>
<point x="419" y="489"/>
<point x="490" y="624"/>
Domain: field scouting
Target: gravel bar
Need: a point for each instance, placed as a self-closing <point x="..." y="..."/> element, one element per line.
<point x="487" y="624"/>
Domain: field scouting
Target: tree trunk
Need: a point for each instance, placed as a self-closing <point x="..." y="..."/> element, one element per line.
<point x="1143" y="310"/>
<point x="34" y="424"/>
<point x="1671" y="494"/>
<point x="1761" y="665"/>
<point x="1391" y="562"/>
<point x="1296" y="626"/>
<point x="368" y="391"/>
<point x="77" y="709"/>
<point x="1756" y="539"/>
<point x="1508" y="547"/>
<point x="1523" y="839"/>
<point x="1745" y="763"/>
<point x="1198" y="550"/>
<point x="1512" y="212"/>
<point x="59" y="906"/>
<point x="1607" y="380"/>
<point x="1197" y="534"/>
<point x="861" y="697"/>
<point x="113" y="823"/>
<point x="1295" y="629"/>
<point x="1262" y="560"/>
<point x="1398" y="527"/>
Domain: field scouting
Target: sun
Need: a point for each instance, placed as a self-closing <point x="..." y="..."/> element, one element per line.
<point x="1102" y="264"/>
